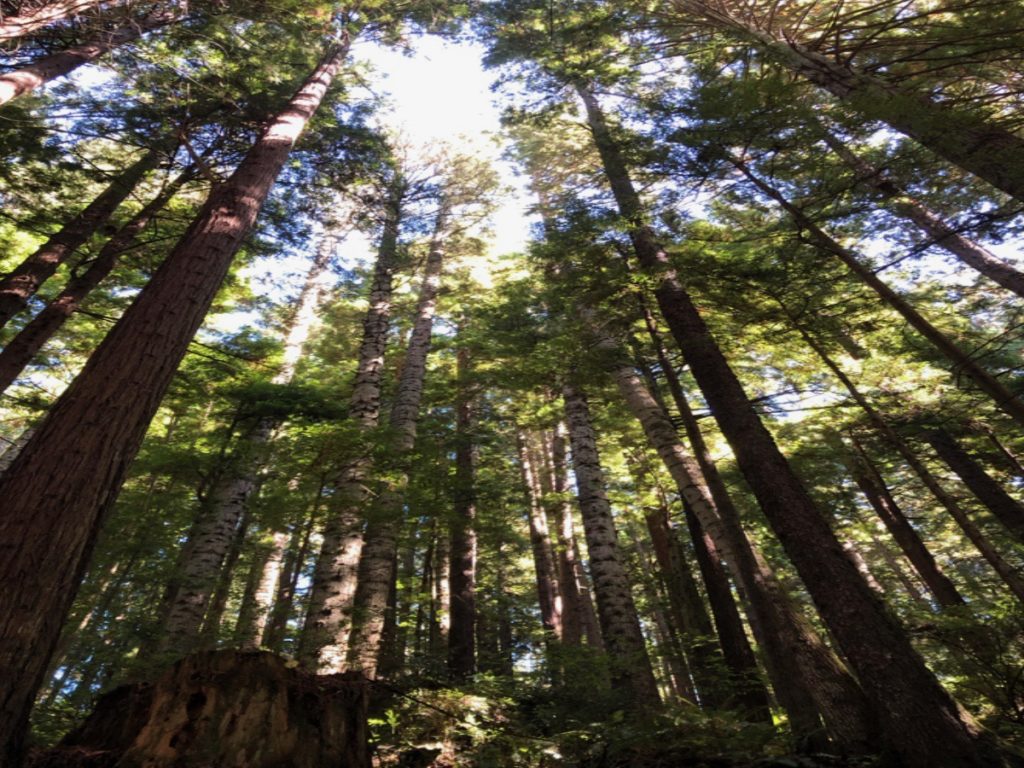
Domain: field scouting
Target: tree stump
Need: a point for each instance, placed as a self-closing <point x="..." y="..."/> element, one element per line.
<point x="227" y="709"/>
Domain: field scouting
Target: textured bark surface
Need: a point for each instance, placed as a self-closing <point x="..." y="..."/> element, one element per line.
<point x="624" y="642"/>
<point x="872" y="485"/>
<point x="56" y="493"/>
<point x="377" y="564"/>
<point x="1012" y="405"/>
<point x="252" y="624"/>
<point x="230" y="709"/>
<point x="20" y="350"/>
<point x="462" y="571"/>
<point x="21" y="284"/>
<point x="944" y="234"/>
<point x="324" y="642"/>
<point x="920" y="721"/>
<point x="25" y="80"/>
<point x="987" y="489"/>
<point x="24" y="24"/>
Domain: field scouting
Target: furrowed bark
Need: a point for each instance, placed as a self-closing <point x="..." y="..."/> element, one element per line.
<point x="920" y="721"/>
<point x="56" y="493"/>
<point x="631" y="672"/>
<point x="324" y="642"/>
<point x="377" y="563"/>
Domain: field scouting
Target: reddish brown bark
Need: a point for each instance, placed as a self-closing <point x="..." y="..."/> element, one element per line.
<point x="56" y="493"/>
<point x="25" y="24"/>
<point x="920" y="721"/>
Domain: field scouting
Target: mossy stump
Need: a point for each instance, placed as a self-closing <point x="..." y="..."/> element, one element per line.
<point x="226" y="709"/>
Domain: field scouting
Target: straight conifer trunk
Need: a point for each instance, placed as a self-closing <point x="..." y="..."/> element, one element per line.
<point x="920" y="721"/>
<point x="20" y="350"/>
<point x="324" y="642"/>
<point x="377" y="564"/>
<point x="964" y="139"/>
<point x="25" y="24"/>
<point x="631" y="672"/>
<point x="941" y="232"/>
<point x="56" y="493"/>
<point x="1012" y="405"/>
<point x="25" y="80"/>
<point x="1006" y="509"/>
<point x="548" y="597"/>
<point x="22" y="283"/>
<point x="462" y="571"/>
<point x="872" y="485"/>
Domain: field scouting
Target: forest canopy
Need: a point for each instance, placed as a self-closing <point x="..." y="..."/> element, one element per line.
<point x="301" y="466"/>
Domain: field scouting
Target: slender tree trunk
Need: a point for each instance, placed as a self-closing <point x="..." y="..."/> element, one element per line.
<point x="900" y="688"/>
<point x="873" y="486"/>
<point x="284" y="601"/>
<point x="985" y="381"/>
<point x="251" y="631"/>
<point x="31" y="21"/>
<point x="20" y="350"/>
<point x="964" y="139"/>
<point x="941" y="232"/>
<point x="806" y="676"/>
<point x="620" y="625"/>
<point x="548" y="598"/>
<point x="56" y="493"/>
<point x="376" y="566"/>
<point x="1001" y="504"/>
<point x="21" y="284"/>
<point x="441" y="598"/>
<point x="462" y="572"/>
<point x="324" y="644"/>
<point x="1011" y="460"/>
<point x="220" y="577"/>
<point x="974" y="534"/>
<point x="25" y="80"/>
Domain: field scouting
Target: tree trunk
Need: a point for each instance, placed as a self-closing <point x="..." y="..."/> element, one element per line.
<point x="624" y="642"/>
<point x="985" y="381"/>
<point x="21" y="284"/>
<point x="31" y="21"/>
<point x="20" y="350"/>
<point x="250" y="632"/>
<point x="941" y="232"/>
<point x="57" y="492"/>
<point x="324" y="644"/>
<point x="873" y="486"/>
<point x="284" y="601"/>
<point x="548" y="598"/>
<point x="18" y="82"/>
<point x="900" y="688"/>
<point x="964" y="139"/>
<point x="462" y="572"/>
<point x="1001" y="504"/>
<point x="806" y="676"/>
<point x="974" y="534"/>
<point x="376" y="566"/>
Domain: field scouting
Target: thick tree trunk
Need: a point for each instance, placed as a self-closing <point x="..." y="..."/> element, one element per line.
<point x="624" y="642"/>
<point x="229" y="709"/>
<point x="25" y="80"/>
<point x="941" y="232"/>
<point x="873" y="486"/>
<point x="462" y="572"/>
<point x="22" y="283"/>
<point x="56" y="494"/>
<point x="376" y="566"/>
<point x="25" y="24"/>
<point x="548" y="597"/>
<point x="1001" y="504"/>
<point x="324" y="643"/>
<point x="921" y="723"/>
<point x="985" y="381"/>
<point x="964" y="139"/>
<point x="20" y="350"/>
